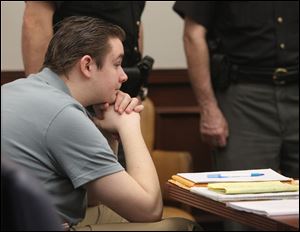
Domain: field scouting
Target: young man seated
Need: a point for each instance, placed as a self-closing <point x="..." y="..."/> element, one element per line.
<point x="47" y="129"/>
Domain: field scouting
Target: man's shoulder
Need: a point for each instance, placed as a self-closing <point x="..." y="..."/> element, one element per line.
<point x="39" y="98"/>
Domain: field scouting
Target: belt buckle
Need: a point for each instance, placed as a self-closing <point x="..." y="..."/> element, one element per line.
<point x="276" y="76"/>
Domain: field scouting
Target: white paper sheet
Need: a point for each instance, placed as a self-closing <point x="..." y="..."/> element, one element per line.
<point x="234" y="176"/>
<point x="269" y="207"/>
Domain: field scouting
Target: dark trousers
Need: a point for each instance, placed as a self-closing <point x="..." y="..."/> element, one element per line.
<point x="263" y="127"/>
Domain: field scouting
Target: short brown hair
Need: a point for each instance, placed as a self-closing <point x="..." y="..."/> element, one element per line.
<point x="78" y="36"/>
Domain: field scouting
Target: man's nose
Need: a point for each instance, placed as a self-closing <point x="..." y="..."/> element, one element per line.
<point x="124" y="76"/>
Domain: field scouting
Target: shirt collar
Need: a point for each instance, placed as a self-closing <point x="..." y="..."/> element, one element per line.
<point x="51" y="78"/>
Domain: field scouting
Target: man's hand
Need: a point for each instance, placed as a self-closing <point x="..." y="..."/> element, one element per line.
<point x="214" y="127"/>
<point x="123" y="103"/>
<point x="113" y="122"/>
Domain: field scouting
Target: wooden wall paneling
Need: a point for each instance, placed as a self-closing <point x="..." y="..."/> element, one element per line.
<point x="8" y="76"/>
<point x="177" y="116"/>
<point x="178" y="130"/>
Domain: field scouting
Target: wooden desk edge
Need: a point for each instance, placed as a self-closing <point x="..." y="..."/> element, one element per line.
<point x="283" y="223"/>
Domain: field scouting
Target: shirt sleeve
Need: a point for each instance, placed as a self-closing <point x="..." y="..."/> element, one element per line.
<point x="202" y="12"/>
<point x="78" y="149"/>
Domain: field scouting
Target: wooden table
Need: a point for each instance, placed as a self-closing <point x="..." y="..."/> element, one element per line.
<point x="261" y="222"/>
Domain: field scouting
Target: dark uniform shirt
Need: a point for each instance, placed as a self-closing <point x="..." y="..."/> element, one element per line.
<point x="254" y="33"/>
<point x="126" y="14"/>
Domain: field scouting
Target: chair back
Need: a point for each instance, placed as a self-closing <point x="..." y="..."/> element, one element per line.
<point x="24" y="204"/>
<point x="148" y="123"/>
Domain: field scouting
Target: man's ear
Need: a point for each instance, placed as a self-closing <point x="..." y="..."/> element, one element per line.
<point x="85" y="64"/>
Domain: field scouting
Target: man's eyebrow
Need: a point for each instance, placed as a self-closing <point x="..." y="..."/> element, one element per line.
<point x="121" y="56"/>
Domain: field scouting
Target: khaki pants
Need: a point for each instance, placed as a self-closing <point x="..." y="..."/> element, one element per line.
<point x="101" y="218"/>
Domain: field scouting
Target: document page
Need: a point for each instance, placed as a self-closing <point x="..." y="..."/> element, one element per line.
<point x="252" y="187"/>
<point x="268" y="207"/>
<point x="217" y="196"/>
<point x="234" y="176"/>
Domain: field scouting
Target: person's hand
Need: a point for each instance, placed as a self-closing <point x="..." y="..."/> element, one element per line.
<point x="213" y="127"/>
<point x="65" y="226"/>
<point x="112" y="121"/>
<point x="124" y="103"/>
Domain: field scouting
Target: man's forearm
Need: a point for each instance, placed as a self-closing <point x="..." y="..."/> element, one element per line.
<point x="139" y="162"/>
<point x="213" y="125"/>
<point x="199" y="70"/>
<point x="36" y="34"/>
<point x="198" y="62"/>
<point x="114" y="144"/>
<point x="33" y="53"/>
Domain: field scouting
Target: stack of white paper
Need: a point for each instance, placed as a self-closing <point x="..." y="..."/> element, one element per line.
<point x="234" y="176"/>
<point x="243" y="197"/>
<point x="266" y="203"/>
<point x="268" y="207"/>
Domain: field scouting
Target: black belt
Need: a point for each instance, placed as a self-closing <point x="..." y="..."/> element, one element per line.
<point x="276" y="76"/>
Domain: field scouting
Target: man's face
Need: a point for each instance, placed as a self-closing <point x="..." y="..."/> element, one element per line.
<point x="111" y="75"/>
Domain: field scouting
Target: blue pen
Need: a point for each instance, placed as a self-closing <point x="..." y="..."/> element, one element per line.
<point x="217" y="175"/>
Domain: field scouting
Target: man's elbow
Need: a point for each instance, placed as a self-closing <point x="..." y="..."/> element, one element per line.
<point x="155" y="210"/>
<point x="149" y="215"/>
<point x="151" y="212"/>
<point x="156" y="214"/>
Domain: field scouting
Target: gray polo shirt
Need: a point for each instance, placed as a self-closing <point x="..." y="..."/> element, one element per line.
<point x="47" y="131"/>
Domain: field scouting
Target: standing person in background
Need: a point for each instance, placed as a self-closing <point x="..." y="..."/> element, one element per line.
<point x="249" y="97"/>
<point x="38" y="28"/>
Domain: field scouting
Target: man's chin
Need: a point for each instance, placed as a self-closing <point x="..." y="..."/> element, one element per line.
<point x="112" y="100"/>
